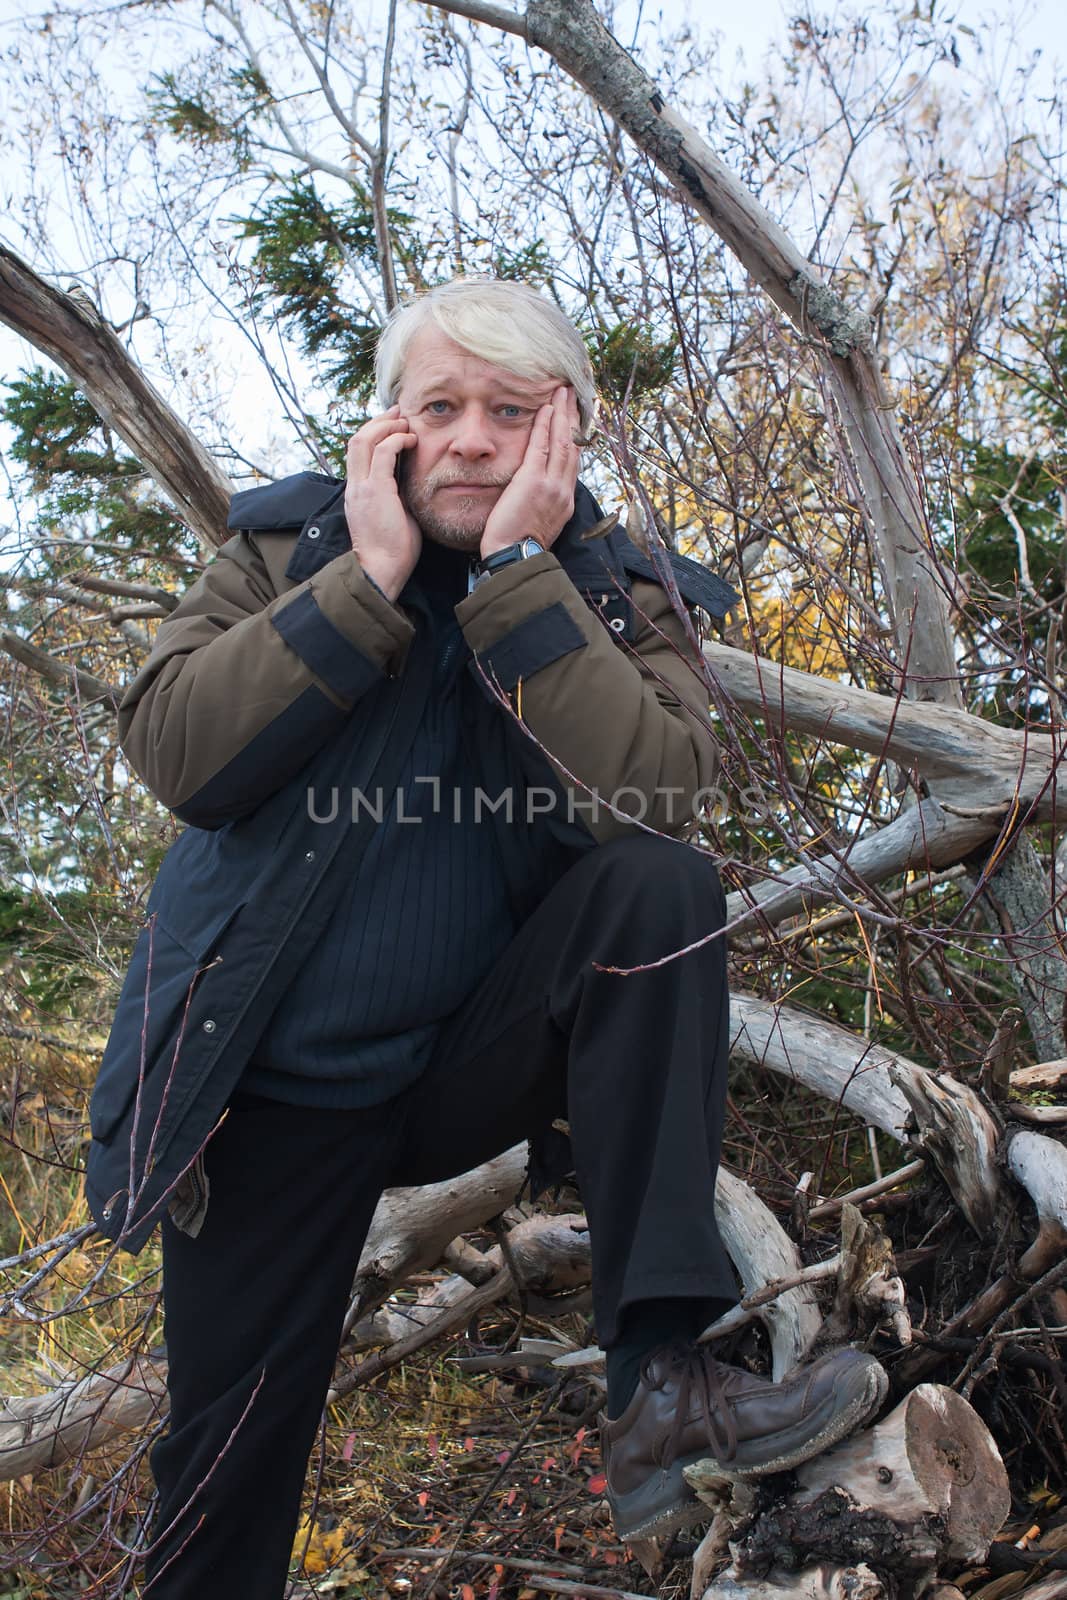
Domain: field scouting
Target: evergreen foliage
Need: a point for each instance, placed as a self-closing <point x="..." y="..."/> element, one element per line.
<point x="632" y="366"/>
<point x="76" y="470"/>
<point x="305" y="249"/>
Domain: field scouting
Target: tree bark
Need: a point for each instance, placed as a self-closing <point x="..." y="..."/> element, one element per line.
<point x="837" y="1064"/>
<point x="761" y="1250"/>
<point x="72" y="333"/>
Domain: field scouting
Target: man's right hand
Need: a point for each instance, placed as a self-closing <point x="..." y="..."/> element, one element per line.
<point x="384" y="534"/>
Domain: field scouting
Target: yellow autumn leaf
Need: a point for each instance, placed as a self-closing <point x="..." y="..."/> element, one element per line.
<point x="319" y="1548"/>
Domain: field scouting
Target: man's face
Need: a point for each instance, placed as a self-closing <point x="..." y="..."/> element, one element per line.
<point x="472" y="420"/>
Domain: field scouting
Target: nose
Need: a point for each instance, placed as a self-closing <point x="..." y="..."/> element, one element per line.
<point x="472" y="437"/>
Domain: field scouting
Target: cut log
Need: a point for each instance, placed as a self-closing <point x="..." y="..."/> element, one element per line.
<point x="923" y="1487"/>
<point x="931" y="1464"/>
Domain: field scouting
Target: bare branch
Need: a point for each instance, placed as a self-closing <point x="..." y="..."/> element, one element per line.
<point x="163" y="598"/>
<point x="572" y="33"/>
<point x="78" y="339"/>
<point x="480" y="11"/>
<point x="73" y="679"/>
<point x="378" y="170"/>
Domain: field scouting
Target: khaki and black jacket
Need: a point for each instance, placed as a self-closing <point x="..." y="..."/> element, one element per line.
<point x="284" y="670"/>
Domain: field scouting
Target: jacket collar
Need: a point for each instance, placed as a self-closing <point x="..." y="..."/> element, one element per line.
<point x="314" y="503"/>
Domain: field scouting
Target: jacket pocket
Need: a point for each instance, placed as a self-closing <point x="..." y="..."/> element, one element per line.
<point x="195" y="924"/>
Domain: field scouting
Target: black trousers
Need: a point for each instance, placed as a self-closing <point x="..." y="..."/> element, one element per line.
<point x="254" y="1305"/>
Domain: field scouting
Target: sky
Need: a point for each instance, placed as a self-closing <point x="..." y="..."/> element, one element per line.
<point x="748" y="26"/>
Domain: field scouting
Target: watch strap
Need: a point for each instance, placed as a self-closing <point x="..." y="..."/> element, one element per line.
<point x="522" y="550"/>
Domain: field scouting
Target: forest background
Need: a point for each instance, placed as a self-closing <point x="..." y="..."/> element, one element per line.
<point x="227" y="199"/>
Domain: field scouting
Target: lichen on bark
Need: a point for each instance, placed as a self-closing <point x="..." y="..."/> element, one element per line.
<point x="845" y="330"/>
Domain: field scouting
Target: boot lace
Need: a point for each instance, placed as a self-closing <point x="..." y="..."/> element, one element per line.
<point x="703" y="1378"/>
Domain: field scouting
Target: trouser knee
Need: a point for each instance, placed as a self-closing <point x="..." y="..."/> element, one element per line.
<point x="668" y="882"/>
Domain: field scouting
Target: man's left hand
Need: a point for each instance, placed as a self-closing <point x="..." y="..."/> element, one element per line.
<point x="539" y="500"/>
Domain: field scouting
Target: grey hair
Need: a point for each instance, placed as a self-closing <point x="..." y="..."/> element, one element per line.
<point x="506" y="323"/>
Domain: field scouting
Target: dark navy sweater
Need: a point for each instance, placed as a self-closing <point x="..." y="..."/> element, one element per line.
<point x="425" y="918"/>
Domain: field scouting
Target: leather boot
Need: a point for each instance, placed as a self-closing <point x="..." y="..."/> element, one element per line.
<point x="689" y="1407"/>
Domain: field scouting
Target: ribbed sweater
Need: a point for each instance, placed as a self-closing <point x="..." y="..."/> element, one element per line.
<point x="425" y="918"/>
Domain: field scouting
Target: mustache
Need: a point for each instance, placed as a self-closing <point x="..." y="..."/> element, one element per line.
<point x="444" y="480"/>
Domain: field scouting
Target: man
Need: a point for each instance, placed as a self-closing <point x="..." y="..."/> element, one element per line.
<point x="407" y="720"/>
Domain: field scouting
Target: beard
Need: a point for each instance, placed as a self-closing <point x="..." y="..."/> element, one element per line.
<point x="462" y="525"/>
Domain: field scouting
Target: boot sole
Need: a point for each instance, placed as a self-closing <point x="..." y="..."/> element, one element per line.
<point x="671" y="1505"/>
<point x="660" y="1512"/>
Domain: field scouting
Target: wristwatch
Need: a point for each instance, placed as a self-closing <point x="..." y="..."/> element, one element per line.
<point x="520" y="551"/>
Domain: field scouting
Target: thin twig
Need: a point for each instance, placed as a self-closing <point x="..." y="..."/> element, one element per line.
<point x="892" y="1180"/>
<point x="509" y="1460"/>
<point x="537" y="1569"/>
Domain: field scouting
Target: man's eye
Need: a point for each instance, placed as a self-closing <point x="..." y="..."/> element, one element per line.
<point x="511" y="412"/>
<point x="437" y="408"/>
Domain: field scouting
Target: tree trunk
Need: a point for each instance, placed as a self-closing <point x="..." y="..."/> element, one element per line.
<point x="1015" y="893"/>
